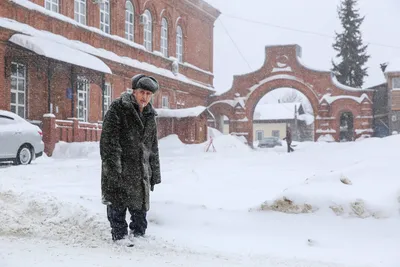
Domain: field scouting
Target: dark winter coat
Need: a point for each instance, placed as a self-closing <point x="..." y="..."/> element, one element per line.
<point x="288" y="137"/>
<point x="129" y="154"/>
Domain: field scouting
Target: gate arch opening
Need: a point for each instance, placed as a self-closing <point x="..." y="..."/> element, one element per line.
<point x="279" y="110"/>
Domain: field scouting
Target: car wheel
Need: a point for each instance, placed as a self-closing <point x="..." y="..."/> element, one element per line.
<point x="24" y="155"/>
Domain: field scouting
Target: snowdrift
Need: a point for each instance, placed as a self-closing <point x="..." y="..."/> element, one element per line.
<point x="64" y="150"/>
<point x="172" y="145"/>
<point x="44" y="216"/>
<point x="368" y="187"/>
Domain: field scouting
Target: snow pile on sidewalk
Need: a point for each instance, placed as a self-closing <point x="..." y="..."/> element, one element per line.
<point x="43" y="216"/>
<point x="367" y="187"/>
<point x="76" y="150"/>
<point x="172" y="145"/>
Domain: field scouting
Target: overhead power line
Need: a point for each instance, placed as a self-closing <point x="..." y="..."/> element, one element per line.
<point x="300" y="30"/>
<point x="234" y="43"/>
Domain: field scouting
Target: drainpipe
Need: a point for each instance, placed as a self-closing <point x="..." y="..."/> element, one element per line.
<point x="73" y="91"/>
<point x="103" y="88"/>
<point x="49" y="76"/>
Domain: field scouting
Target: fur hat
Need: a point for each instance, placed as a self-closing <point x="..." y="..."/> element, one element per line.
<point x="141" y="81"/>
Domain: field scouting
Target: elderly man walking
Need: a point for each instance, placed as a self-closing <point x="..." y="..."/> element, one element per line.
<point x="130" y="159"/>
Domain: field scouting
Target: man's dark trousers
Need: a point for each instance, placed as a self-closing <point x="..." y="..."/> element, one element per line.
<point x="119" y="227"/>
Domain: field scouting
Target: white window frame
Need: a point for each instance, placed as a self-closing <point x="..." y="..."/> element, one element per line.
<point x="148" y="31"/>
<point x="107" y="97"/>
<point x="16" y="79"/>
<point x="52" y="5"/>
<point x="164" y="37"/>
<point x="105" y="18"/>
<point x="83" y="89"/>
<point x="80" y="11"/>
<point x="258" y="132"/>
<point x="164" y="102"/>
<point x="179" y="44"/>
<point x="396" y="83"/>
<point x="129" y="21"/>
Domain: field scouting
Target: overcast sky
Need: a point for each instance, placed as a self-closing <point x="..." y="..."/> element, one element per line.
<point x="380" y="26"/>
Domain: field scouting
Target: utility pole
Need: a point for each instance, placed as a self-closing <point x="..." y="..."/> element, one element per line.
<point x="296" y="133"/>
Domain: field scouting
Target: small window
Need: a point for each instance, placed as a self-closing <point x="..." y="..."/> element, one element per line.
<point x="107" y="97"/>
<point x="396" y="83"/>
<point x="148" y="31"/>
<point x="165" y="102"/>
<point x="259" y="135"/>
<point x="52" y="5"/>
<point x="129" y="20"/>
<point x="179" y="44"/>
<point x="80" y="11"/>
<point x="18" y="89"/>
<point x="105" y="16"/>
<point x="164" y="37"/>
<point x="276" y="133"/>
<point x="83" y="98"/>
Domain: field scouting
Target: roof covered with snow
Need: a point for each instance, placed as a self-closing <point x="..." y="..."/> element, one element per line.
<point x="41" y="9"/>
<point x="180" y="113"/>
<point x="282" y="111"/>
<point x="59" y="52"/>
<point x="99" y="52"/>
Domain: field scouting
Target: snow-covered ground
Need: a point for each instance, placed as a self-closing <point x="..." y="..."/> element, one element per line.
<point x="327" y="204"/>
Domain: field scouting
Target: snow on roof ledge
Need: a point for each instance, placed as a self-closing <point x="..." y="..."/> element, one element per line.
<point x="180" y="113"/>
<point x="41" y="9"/>
<point x="59" y="52"/>
<point x="98" y="52"/>
<point x="345" y="87"/>
<point x="330" y="99"/>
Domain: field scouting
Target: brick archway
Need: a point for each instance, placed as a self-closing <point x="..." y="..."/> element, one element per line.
<point x="283" y="67"/>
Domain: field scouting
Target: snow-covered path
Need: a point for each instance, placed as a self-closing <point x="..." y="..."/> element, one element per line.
<point x="205" y="213"/>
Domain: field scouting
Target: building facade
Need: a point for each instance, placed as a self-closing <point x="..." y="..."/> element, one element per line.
<point x="71" y="58"/>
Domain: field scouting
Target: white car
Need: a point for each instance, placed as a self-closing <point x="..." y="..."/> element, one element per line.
<point x="20" y="141"/>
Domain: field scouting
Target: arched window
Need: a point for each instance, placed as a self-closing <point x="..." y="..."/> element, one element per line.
<point x="164" y="37"/>
<point x="179" y="44"/>
<point x="129" y="20"/>
<point x="148" y="31"/>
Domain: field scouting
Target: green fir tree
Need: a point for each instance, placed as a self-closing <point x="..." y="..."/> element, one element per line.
<point x="351" y="51"/>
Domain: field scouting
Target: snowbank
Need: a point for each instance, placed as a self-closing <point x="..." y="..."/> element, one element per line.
<point x="212" y="132"/>
<point x="76" y="150"/>
<point x="230" y="144"/>
<point x="326" y="138"/>
<point x="369" y="188"/>
<point x="43" y="216"/>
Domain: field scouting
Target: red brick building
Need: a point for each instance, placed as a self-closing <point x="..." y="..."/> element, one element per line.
<point x="70" y="58"/>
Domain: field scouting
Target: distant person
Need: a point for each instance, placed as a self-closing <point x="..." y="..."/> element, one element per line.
<point x="130" y="159"/>
<point x="288" y="139"/>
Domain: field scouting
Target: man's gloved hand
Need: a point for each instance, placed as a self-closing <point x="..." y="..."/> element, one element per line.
<point x="152" y="187"/>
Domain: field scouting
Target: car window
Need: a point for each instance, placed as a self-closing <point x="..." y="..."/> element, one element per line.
<point x="5" y="120"/>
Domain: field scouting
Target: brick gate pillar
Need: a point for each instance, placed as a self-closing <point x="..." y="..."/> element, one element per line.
<point x="49" y="133"/>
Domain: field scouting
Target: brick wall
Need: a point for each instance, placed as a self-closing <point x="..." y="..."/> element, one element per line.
<point x="197" y="28"/>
